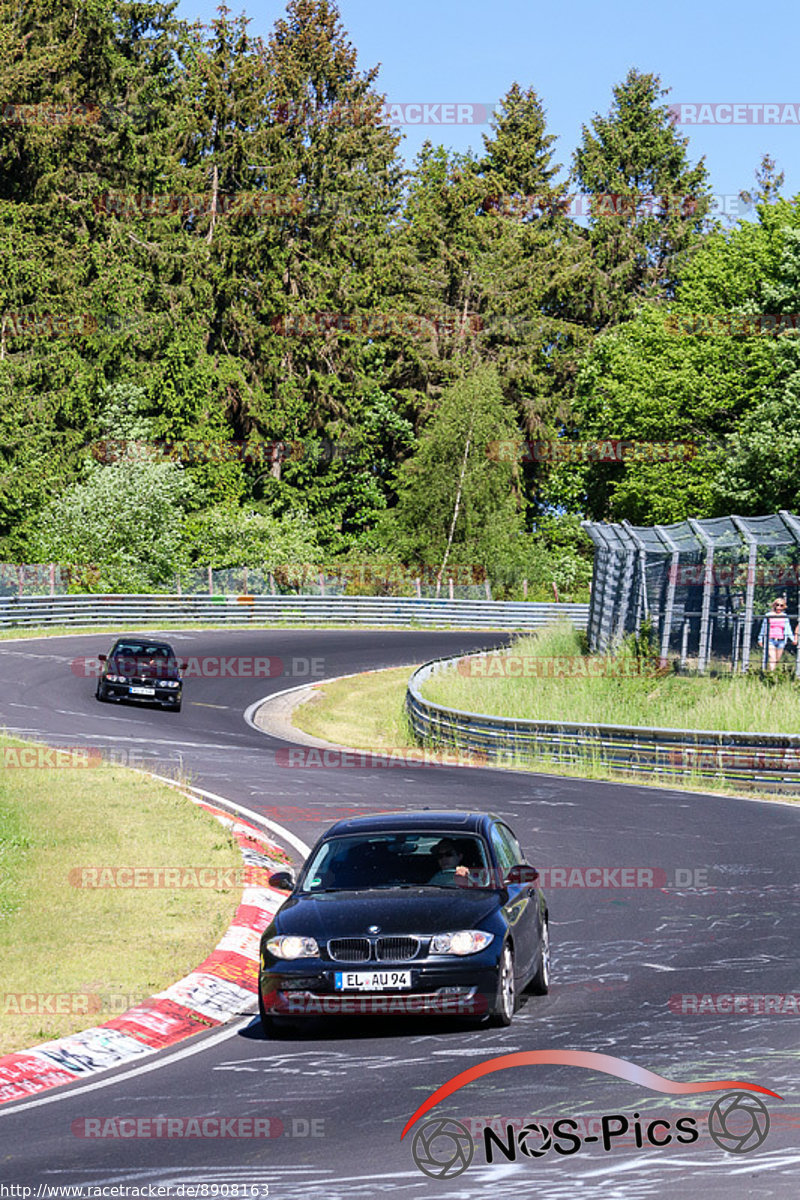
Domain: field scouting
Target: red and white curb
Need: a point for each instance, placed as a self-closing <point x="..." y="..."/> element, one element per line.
<point x="221" y="987"/>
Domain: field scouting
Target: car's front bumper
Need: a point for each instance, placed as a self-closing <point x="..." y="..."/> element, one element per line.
<point x="457" y="989"/>
<point x="160" y="694"/>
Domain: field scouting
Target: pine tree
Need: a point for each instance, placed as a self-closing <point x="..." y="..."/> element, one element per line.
<point x="649" y="203"/>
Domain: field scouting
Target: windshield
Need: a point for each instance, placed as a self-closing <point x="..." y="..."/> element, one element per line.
<point x="152" y="657"/>
<point x="386" y="860"/>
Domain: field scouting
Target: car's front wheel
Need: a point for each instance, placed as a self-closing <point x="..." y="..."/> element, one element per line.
<point x="272" y="1026"/>
<point x="506" y="998"/>
<point x="540" y="984"/>
<point x="99" y="691"/>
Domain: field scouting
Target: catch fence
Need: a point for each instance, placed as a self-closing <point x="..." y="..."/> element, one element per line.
<point x="703" y="587"/>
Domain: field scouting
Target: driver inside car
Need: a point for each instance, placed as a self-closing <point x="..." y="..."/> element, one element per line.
<point x="451" y="867"/>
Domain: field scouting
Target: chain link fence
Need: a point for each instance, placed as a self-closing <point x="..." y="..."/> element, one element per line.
<point x="457" y="583"/>
<point x="704" y="590"/>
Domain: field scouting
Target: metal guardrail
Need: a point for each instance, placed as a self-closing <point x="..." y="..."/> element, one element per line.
<point x="21" y="611"/>
<point x="766" y="761"/>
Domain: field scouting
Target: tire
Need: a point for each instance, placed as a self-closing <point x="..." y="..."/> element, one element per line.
<point x="271" y="1026"/>
<point x="540" y="984"/>
<point x="506" y="997"/>
<point x="99" y="692"/>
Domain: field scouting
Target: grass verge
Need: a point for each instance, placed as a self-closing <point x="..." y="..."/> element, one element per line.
<point x="564" y="683"/>
<point x="366" y="711"/>
<point x="78" y="955"/>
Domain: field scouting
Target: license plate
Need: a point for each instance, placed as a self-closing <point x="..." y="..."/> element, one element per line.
<point x="140" y="691"/>
<point x="371" y="981"/>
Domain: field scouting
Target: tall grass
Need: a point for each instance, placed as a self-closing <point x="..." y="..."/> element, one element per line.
<point x="559" y="690"/>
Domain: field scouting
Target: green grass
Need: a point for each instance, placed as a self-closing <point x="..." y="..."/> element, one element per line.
<point x="366" y="712"/>
<point x="745" y="704"/>
<point x="110" y="944"/>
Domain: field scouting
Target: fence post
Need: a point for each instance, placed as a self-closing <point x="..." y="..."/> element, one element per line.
<point x="210" y="582"/>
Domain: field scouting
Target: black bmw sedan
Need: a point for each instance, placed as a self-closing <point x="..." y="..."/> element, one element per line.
<point x="142" y="670"/>
<point x="407" y="913"/>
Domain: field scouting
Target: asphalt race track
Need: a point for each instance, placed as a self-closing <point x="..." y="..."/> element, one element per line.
<point x="343" y="1091"/>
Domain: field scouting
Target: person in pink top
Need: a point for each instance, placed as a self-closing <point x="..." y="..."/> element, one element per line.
<point x="777" y="629"/>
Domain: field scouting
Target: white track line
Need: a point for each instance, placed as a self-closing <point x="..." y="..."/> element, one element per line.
<point x="220" y="1036"/>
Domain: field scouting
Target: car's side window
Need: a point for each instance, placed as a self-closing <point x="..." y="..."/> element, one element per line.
<point x="514" y="847"/>
<point x="503" y="851"/>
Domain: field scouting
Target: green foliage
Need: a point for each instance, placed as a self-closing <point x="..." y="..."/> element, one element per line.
<point x="293" y="283"/>
<point x="455" y="502"/>
<point x="234" y="537"/>
<point x="650" y="204"/>
<point x="127" y="518"/>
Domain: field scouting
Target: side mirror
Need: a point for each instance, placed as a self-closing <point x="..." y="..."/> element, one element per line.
<point x="183" y="666"/>
<point x="522" y="873"/>
<point x="102" y="658"/>
<point x="282" y="880"/>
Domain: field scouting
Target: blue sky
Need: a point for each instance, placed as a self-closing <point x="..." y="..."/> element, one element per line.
<point x="463" y="51"/>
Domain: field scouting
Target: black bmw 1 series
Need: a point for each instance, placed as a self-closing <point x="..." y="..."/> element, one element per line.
<point x="141" y="669"/>
<point x="408" y="913"/>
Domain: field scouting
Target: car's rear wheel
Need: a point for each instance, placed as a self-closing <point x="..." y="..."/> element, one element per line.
<point x="506" y="998"/>
<point x="540" y="984"/>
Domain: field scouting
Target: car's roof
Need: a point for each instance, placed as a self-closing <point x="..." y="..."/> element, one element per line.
<point x="457" y="820"/>
<point x="145" y="641"/>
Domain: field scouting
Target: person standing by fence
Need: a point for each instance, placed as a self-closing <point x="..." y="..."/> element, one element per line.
<point x="776" y="631"/>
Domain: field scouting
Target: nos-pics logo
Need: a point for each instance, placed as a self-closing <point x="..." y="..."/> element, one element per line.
<point x="443" y="1148"/>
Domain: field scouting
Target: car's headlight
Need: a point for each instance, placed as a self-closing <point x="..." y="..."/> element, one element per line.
<point x="116" y="678"/>
<point x="289" y="946"/>
<point x="170" y="683"/>
<point x="465" y="941"/>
